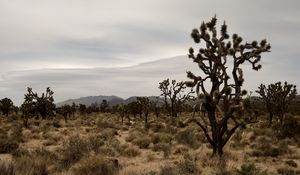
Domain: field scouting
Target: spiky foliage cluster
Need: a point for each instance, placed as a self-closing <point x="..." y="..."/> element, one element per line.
<point x="6" y="105"/>
<point x="35" y="105"/>
<point x="145" y="104"/>
<point x="218" y="86"/>
<point x="104" y="106"/>
<point x="172" y="92"/>
<point x="66" y="111"/>
<point x="277" y="98"/>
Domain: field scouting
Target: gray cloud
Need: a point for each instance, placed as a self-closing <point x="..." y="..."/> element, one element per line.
<point x="48" y="37"/>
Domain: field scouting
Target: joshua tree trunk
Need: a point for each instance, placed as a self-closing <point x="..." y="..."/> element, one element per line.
<point x="270" y="119"/>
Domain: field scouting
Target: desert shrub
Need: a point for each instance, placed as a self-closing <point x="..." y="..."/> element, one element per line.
<point x="265" y="148"/>
<point x="142" y="142"/>
<point x="157" y="127"/>
<point x="181" y="150"/>
<point x="168" y="170"/>
<point x="8" y="145"/>
<point x="290" y="128"/>
<point x="95" y="142"/>
<point x="102" y="123"/>
<point x="222" y="171"/>
<point x="287" y="171"/>
<point x="73" y="150"/>
<point x="164" y="147"/>
<point x="96" y="166"/>
<point x="109" y="133"/>
<point x="170" y="129"/>
<point x="134" y="135"/>
<point x="16" y="133"/>
<point x="27" y="165"/>
<point x="291" y="163"/>
<point x="186" y="167"/>
<point x="20" y="151"/>
<point x="130" y="152"/>
<point x="250" y="169"/>
<point x="161" y="138"/>
<point x="56" y="124"/>
<point x="7" y="168"/>
<point x="187" y="137"/>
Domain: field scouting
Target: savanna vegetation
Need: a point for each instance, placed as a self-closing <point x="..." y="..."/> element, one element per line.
<point x="208" y="124"/>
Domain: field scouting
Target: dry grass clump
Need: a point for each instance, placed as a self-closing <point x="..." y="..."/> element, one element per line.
<point x="108" y="133"/>
<point x="7" y="168"/>
<point x="186" y="167"/>
<point x="287" y="171"/>
<point x="265" y="148"/>
<point x="106" y="123"/>
<point x="96" y="165"/>
<point x="9" y="141"/>
<point x="129" y="151"/>
<point x="28" y="165"/>
<point x="134" y="134"/>
<point x="188" y="137"/>
<point x="250" y="169"/>
<point x="161" y="138"/>
<point x="73" y="150"/>
<point x="142" y="142"/>
<point x="164" y="147"/>
<point x="157" y="127"/>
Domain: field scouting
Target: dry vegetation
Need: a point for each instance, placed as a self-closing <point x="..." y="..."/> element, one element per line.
<point x="100" y="144"/>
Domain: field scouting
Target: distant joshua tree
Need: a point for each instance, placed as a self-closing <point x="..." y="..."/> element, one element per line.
<point x="104" y="106"/>
<point x="277" y="98"/>
<point x="6" y="105"/>
<point x="222" y="93"/>
<point x="145" y="104"/>
<point x="39" y="105"/>
<point x="173" y="98"/>
<point x="66" y="111"/>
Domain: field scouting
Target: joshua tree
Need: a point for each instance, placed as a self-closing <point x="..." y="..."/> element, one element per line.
<point x="104" y="106"/>
<point x="43" y="105"/>
<point x="66" y="111"/>
<point x="82" y="109"/>
<point x="145" y="104"/>
<point x="135" y="108"/>
<point x="155" y="108"/>
<point x="173" y="98"/>
<point x="220" y="85"/>
<point x="6" y="105"/>
<point x="277" y="98"/>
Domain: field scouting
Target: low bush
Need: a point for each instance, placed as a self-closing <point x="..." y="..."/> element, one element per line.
<point x="161" y="138"/>
<point x="130" y="151"/>
<point x="7" y="168"/>
<point x="8" y="146"/>
<point x="143" y="142"/>
<point x="287" y="171"/>
<point x="250" y="169"/>
<point x="186" y="167"/>
<point x="28" y="165"/>
<point x="96" y="165"/>
<point x="73" y="150"/>
<point x="188" y="137"/>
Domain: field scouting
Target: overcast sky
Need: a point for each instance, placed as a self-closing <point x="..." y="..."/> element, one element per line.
<point x="43" y="38"/>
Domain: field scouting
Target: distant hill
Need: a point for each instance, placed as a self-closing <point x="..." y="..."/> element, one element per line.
<point x="112" y="100"/>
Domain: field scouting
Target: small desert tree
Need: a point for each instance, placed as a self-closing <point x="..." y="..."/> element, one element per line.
<point x="173" y="98"/>
<point x="6" y="105"/>
<point x="220" y="85"/>
<point x="104" y="106"/>
<point x="145" y="104"/>
<point x="43" y="105"/>
<point x="277" y="98"/>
